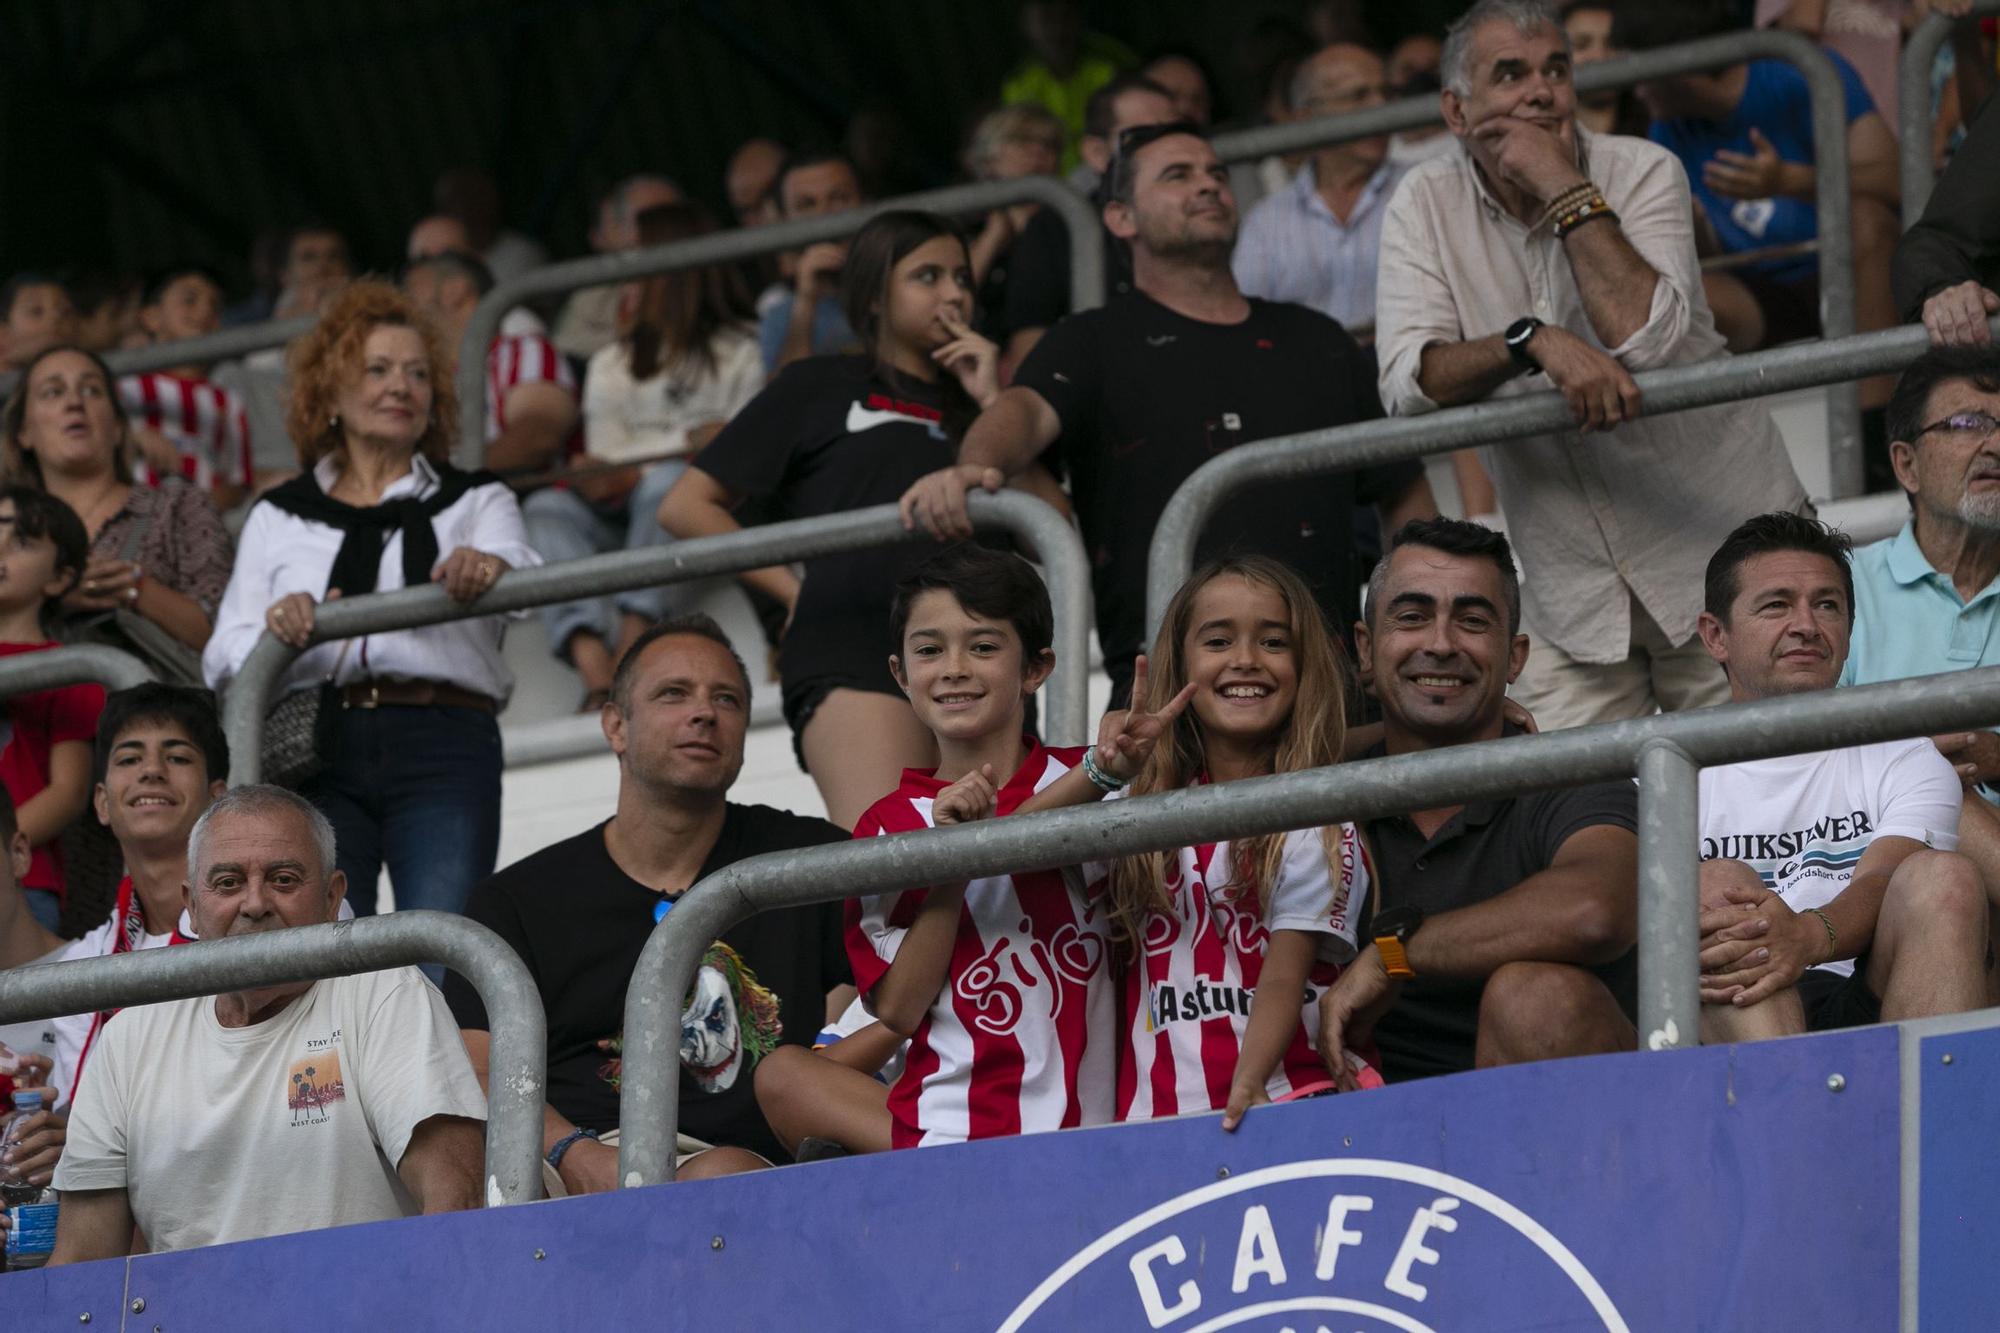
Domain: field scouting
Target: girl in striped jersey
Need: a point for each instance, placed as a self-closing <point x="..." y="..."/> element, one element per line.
<point x="1227" y="946"/>
<point x="1003" y="985"/>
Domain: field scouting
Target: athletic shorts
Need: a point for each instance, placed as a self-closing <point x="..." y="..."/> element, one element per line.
<point x="1833" y="1001"/>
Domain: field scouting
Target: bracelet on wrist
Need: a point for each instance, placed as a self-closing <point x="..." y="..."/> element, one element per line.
<point x="1832" y="935"/>
<point x="1589" y="211"/>
<point x="564" y="1144"/>
<point x="1566" y="200"/>
<point x="1100" y="779"/>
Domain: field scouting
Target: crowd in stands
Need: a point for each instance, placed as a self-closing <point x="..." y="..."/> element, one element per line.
<point x="1540" y="240"/>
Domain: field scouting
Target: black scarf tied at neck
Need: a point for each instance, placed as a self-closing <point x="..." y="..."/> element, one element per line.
<point x="356" y="567"/>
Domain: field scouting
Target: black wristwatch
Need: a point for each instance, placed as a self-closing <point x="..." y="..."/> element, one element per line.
<point x="1391" y="931"/>
<point x="1517" y="336"/>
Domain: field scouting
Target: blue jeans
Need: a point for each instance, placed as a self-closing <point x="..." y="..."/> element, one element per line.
<point x="419" y="790"/>
<point x="562" y="525"/>
<point x="44" y="906"/>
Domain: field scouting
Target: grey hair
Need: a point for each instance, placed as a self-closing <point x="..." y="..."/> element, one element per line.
<point x="1527" y="16"/>
<point x="620" y="198"/>
<point x="260" y="799"/>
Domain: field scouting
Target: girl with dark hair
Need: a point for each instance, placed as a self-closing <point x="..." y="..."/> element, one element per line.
<point x="685" y="362"/>
<point x="835" y="433"/>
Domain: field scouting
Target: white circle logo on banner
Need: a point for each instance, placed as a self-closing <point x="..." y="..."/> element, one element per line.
<point x="1352" y="1245"/>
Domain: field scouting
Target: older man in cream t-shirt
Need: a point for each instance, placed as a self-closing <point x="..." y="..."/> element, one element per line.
<point x="287" y="1108"/>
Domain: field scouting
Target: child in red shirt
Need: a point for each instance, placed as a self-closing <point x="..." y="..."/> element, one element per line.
<point x="45" y="737"/>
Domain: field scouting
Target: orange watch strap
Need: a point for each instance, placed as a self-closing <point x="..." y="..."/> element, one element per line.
<point x="1395" y="959"/>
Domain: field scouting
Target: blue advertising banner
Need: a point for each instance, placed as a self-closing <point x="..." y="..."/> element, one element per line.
<point x="1727" y="1188"/>
<point x="1959" y="1179"/>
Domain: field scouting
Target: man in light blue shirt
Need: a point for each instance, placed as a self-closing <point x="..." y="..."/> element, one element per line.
<point x="1314" y="242"/>
<point x="1928" y="599"/>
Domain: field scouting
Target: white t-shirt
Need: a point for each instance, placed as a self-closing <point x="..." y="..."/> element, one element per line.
<point x="292" y="1124"/>
<point x="72" y="1031"/>
<point x="625" y="418"/>
<point x="1803" y="821"/>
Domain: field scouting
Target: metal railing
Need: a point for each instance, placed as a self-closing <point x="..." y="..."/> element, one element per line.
<point x="72" y="664"/>
<point x="517" y="1064"/>
<point x="208" y="348"/>
<point x="1391" y="439"/>
<point x="1053" y="541"/>
<point x="1665" y="752"/>
<point x="1915" y="121"/>
<point x="1831" y="187"/>
<point x="1086" y="276"/>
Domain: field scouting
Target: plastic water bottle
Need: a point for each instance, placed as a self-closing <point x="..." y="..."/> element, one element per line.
<point x="14" y="1192"/>
<point x="31" y="1222"/>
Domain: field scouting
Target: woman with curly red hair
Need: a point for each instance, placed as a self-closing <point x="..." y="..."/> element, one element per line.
<point x="413" y="777"/>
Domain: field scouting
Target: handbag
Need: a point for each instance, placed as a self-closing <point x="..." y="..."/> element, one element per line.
<point x="299" y="733"/>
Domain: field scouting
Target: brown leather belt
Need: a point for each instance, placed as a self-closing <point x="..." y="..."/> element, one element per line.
<point x="412" y="694"/>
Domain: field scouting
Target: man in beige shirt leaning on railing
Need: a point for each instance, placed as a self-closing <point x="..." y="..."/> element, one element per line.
<point x="1544" y="257"/>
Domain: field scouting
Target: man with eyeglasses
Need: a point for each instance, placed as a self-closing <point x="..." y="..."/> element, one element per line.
<point x="1315" y="242"/>
<point x="1928" y="599"/>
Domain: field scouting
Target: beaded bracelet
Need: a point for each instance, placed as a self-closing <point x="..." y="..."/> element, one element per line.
<point x="1568" y="200"/>
<point x="1590" y="211"/>
<point x="1100" y="779"/>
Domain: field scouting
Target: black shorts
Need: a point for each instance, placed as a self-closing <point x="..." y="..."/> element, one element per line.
<point x="1833" y="1001"/>
<point x="800" y="699"/>
<point x="1791" y="309"/>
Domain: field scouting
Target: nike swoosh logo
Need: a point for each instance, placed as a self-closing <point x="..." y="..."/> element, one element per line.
<point x="1160" y="341"/>
<point x="861" y="418"/>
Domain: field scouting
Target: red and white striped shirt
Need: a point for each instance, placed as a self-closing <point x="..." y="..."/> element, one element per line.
<point x="1187" y="1001"/>
<point x="205" y="421"/>
<point x="523" y="358"/>
<point x="1024" y="1034"/>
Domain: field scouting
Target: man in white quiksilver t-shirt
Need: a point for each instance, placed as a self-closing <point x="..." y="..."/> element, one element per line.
<point x="1832" y="892"/>
<point x="287" y="1108"/>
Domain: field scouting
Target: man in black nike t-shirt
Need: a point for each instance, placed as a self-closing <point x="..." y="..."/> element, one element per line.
<point x="1126" y="401"/>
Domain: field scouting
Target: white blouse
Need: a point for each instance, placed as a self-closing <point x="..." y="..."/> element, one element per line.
<point x="627" y="418"/>
<point x="279" y="553"/>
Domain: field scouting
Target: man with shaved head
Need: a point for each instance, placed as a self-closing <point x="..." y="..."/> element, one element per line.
<point x="1315" y="243"/>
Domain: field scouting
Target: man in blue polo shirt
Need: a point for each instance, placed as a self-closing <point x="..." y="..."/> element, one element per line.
<point x="1928" y="599"/>
<point x="1745" y="135"/>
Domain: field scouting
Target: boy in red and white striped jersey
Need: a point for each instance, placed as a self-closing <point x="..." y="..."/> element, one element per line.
<point x="1002" y="985"/>
<point x="184" y="424"/>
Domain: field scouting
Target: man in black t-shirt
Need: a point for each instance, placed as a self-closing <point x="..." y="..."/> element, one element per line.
<point x="580" y="911"/>
<point x="1128" y="400"/>
<point x="1038" y="269"/>
<point x="1504" y="930"/>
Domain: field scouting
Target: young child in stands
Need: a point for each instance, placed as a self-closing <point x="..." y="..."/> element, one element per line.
<point x="45" y="752"/>
<point x="1227" y="946"/>
<point x="1002" y="985"/>
<point x="35" y="313"/>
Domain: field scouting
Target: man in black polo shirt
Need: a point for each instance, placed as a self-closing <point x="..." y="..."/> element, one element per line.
<point x="580" y="911"/>
<point x="1129" y="399"/>
<point x="1506" y="928"/>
